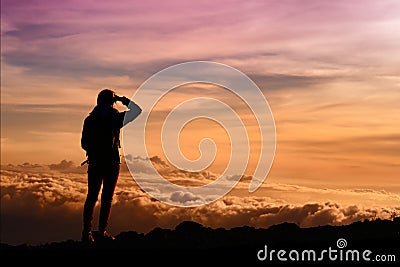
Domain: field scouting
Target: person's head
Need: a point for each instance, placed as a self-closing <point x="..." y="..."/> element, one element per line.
<point x="106" y="96"/>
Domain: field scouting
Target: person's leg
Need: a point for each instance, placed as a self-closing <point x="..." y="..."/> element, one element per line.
<point x="94" y="185"/>
<point x="109" y="184"/>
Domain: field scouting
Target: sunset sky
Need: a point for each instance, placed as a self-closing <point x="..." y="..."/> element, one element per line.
<point x="328" y="69"/>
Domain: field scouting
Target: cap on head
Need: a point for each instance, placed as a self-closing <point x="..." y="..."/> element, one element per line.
<point x="106" y="96"/>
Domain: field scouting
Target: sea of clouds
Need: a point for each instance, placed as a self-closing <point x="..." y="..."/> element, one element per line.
<point x="43" y="203"/>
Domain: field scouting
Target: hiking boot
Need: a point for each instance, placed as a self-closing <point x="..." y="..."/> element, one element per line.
<point x="87" y="237"/>
<point x="106" y="236"/>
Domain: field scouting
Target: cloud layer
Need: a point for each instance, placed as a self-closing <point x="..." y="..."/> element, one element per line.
<point x="44" y="204"/>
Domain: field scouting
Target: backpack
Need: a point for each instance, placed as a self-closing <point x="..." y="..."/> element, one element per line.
<point x="99" y="137"/>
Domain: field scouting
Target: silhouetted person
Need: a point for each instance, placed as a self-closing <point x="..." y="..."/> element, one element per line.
<point x="100" y="139"/>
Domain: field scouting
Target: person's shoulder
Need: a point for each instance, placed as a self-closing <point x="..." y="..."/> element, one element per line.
<point x="115" y="111"/>
<point x="106" y="108"/>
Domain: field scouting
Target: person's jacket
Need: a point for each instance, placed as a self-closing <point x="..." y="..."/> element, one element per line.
<point x="101" y="131"/>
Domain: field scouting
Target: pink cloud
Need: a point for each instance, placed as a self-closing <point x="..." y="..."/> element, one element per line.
<point x="101" y="33"/>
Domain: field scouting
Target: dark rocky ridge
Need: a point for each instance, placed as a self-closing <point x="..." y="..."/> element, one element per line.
<point x="191" y="242"/>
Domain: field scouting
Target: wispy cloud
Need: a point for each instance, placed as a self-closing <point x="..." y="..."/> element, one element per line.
<point x="100" y="38"/>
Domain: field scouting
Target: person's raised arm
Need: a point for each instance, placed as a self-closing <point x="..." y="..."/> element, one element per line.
<point x="133" y="110"/>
